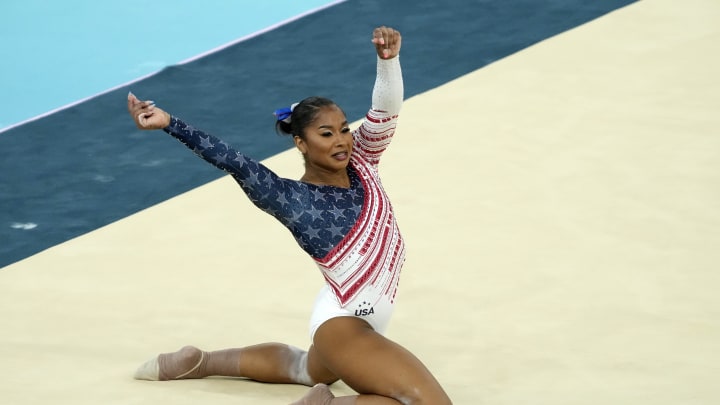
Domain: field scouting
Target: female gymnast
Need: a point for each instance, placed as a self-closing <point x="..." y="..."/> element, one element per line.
<point x="340" y="215"/>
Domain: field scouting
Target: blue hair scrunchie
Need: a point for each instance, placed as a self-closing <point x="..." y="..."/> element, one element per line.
<point x="284" y="114"/>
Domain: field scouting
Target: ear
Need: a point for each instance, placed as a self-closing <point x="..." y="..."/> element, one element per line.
<point x="300" y="144"/>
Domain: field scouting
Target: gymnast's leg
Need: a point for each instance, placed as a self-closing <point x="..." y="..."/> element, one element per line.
<point x="268" y="362"/>
<point x="382" y="371"/>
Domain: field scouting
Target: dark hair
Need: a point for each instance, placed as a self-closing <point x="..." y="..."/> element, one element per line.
<point x="302" y="115"/>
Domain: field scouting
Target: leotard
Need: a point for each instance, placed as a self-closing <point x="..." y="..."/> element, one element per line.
<point x="351" y="234"/>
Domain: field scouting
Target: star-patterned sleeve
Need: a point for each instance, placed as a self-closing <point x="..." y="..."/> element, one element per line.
<point x="264" y="188"/>
<point x="378" y="127"/>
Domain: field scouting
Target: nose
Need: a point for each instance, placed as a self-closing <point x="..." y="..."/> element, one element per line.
<point x="342" y="138"/>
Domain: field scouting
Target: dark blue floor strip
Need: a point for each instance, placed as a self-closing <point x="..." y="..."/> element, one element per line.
<point x="87" y="166"/>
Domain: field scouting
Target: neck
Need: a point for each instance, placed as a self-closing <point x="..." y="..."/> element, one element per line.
<point x="325" y="178"/>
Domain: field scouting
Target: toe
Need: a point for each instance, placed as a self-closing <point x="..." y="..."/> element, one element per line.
<point x="150" y="370"/>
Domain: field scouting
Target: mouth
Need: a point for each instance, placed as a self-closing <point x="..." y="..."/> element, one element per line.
<point x="340" y="155"/>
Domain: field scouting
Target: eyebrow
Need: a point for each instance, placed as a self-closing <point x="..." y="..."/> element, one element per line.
<point x="344" y="124"/>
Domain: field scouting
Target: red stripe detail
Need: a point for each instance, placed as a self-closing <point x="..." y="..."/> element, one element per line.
<point x="355" y="232"/>
<point x="375" y="252"/>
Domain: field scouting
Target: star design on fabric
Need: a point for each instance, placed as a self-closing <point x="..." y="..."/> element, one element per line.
<point x="338" y="213"/>
<point x="221" y="158"/>
<point x="296" y="195"/>
<point x="314" y="212"/>
<point x="282" y="200"/>
<point x="269" y="181"/>
<point x="335" y="231"/>
<point x="313" y="232"/>
<point x="206" y="143"/>
<point x="296" y="215"/>
<point x="240" y="159"/>
<point x="318" y="195"/>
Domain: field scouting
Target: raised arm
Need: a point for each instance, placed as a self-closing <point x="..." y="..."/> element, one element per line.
<point x="378" y="128"/>
<point x="388" y="91"/>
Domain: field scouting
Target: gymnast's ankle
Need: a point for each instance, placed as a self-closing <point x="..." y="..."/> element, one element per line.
<point x="186" y="363"/>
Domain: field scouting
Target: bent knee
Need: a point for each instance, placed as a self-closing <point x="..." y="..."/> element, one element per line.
<point x="321" y="375"/>
<point x="307" y="371"/>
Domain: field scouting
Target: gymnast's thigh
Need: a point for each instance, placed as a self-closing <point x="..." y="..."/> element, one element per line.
<point x="370" y="363"/>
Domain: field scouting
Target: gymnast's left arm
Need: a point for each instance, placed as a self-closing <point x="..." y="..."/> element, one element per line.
<point x="377" y="129"/>
<point x="388" y="90"/>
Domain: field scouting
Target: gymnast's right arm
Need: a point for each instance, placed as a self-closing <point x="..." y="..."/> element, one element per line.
<point x="258" y="182"/>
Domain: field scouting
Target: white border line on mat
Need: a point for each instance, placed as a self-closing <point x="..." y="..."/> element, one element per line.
<point x="202" y="55"/>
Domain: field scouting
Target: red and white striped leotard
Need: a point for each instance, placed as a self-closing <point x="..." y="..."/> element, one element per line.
<point x="363" y="270"/>
<point x="370" y="256"/>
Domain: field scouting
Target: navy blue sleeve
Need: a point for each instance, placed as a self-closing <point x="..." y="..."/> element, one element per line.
<point x="265" y="189"/>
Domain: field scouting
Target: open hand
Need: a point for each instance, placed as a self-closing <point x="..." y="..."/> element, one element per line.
<point x="146" y="115"/>
<point x="387" y="42"/>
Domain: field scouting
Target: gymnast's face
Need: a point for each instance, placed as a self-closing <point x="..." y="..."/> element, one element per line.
<point x="328" y="141"/>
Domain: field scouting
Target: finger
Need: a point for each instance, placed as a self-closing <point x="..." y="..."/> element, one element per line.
<point x="391" y="42"/>
<point x="137" y="109"/>
<point x="388" y="43"/>
<point x="131" y="100"/>
<point x="141" y="119"/>
<point x="380" y="39"/>
<point x="394" y="39"/>
<point x="145" y="105"/>
<point x="391" y="37"/>
<point x="379" y="36"/>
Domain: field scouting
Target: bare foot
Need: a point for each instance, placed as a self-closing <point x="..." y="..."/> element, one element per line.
<point x="188" y="362"/>
<point x="318" y="395"/>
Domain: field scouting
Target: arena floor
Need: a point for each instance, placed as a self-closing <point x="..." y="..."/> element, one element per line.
<point x="560" y="207"/>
